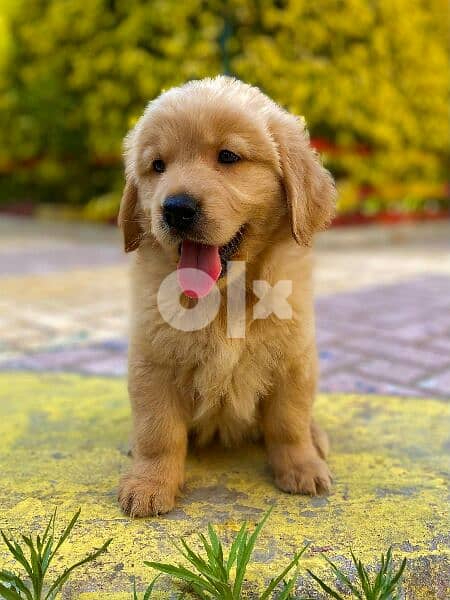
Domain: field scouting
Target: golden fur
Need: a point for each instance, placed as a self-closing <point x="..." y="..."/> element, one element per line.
<point x="204" y="383"/>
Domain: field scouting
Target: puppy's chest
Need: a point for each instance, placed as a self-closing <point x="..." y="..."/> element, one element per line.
<point x="225" y="384"/>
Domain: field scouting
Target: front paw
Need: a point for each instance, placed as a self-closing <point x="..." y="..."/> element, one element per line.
<point x="309" y="476"/>
<point x="141" y="496"/>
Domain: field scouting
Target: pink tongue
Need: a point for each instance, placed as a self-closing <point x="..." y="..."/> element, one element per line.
<point x="199" y="268"/>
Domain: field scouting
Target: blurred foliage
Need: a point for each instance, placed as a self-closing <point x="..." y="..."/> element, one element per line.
<point x="371" y="77"/>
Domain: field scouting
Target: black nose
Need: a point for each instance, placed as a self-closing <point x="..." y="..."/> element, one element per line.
<point x="180" y="212"/>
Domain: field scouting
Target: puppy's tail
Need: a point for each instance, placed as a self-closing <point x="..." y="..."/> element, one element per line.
<point x="320" y="440"/>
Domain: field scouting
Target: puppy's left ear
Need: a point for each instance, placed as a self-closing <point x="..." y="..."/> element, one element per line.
<point x="128" y="219"/>
<point x="309" y="187"/>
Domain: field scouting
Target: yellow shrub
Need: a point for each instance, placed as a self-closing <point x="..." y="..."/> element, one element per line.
<point x="78" y="73"/>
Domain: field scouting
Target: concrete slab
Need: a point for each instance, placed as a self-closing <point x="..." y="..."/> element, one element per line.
<point x="64" y="443"/>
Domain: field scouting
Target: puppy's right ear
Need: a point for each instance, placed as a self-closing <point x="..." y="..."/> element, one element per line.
<point x="128" y="219"/>
<point x="309" y="188"/>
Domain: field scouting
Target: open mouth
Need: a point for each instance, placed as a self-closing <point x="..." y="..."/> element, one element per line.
<point x="201" y="265"/>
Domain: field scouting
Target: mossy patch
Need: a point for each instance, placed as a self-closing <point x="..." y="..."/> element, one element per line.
<point x="64" y="442"/>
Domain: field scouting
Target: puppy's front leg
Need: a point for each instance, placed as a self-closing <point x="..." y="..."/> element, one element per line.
<point x="295" y="445"/>
<point x="160" y="444"/>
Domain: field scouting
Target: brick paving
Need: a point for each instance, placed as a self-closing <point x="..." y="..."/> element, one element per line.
<point x="383" y="305"/>
<point x="391" y="339"/>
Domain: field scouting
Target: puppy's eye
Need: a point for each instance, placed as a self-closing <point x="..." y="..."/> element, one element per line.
<point x="159" y="165"/>
<point x="227" y="157"/>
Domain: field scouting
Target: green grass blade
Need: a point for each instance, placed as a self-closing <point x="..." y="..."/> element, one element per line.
<point x="89" y="558"/>
<point x="287" y="592"/>
<point x="241" y="565"/>
<point x="190" y="555"/>
<point x="382" y="587"/>
<point x="47" y="553"/>
<point x="215" y="547"/>
<point x="274" y="582"/>
<point x="56" y="589"/>
<point x="198" y="592"/>
<point x="363" y="576"/>
<point x="217" y="550"/>
<point x="215" y="542"/>
<point x="9" y="594"/>
<point x="202" y="567"/>
<point x="343" y="578"/>
<point x="235" y="547"/>
<point x="381" y="578"/>
<point x="325" y="587"/>
<point x="17" y="553"/>
<point x="8" y="577"/>
<point x="214" y="552"/>
<point x="38" y="543"/>
<point x="244" y="556"/>
<point x="209" y="571"/>
<point x="212" y="559"/>
<point x="182" y="573"/>
<point x="206" y="545"/>
<point x="398" y="575"/>
<point x="37" y="579"/>
<point x="195" y="559"/>
<point x="51" y="523"/>
<point x="41" y="553"/>
<point x="66" y="532"/>
<point x="149" y="591"/>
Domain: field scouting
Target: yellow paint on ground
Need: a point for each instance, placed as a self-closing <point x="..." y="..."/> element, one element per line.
<point x="64" y="443"/>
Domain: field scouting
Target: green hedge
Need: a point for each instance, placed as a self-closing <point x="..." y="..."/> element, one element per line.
<point x="370" y="77"/>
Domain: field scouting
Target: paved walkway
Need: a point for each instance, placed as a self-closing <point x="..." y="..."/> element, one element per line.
<point x="383" y="321"/>
<point x="383" y="305"/>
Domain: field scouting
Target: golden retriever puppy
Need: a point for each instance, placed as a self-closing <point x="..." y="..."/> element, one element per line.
<point x="223" y="194"/>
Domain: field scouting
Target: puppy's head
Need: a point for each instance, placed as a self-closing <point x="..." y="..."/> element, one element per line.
<point x="216" y="171"/>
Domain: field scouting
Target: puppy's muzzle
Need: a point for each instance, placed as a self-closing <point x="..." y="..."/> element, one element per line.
<point x="181" y="213"/>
